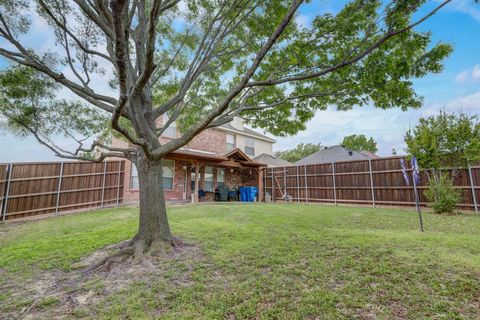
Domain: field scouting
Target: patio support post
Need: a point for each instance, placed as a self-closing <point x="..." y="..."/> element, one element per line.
<point x="195" y="191"/>
<point x="334" y="184"/>
<point x="371" y="181"/>
<point x="306" y="182"/>
<point x="260" y="187"/>
<point x="103" y="182"/>
<point x="472" y="186"/>
<point x="59" y="189"/>
<point x="6" y="191"/>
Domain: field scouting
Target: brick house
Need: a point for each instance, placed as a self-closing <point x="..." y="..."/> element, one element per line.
<point x="217" y="156"/>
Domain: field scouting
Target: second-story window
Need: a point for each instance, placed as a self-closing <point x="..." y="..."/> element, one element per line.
<point x="250" y="146"/>
<point x="230" y="142"/>
<point x="171" y="131"/>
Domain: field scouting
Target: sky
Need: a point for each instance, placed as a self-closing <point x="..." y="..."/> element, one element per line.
<point x="457" y="88"/>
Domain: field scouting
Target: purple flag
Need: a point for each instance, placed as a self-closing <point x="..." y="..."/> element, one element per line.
<point x="416" y="171"/>
<point x="404" y="172"/>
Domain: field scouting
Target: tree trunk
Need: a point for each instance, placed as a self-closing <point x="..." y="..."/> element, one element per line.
<point x="153" y="230"/>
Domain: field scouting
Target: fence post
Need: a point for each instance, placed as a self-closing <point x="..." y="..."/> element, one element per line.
<point x="371" y="181"/>
<point x="6" y="191"/>
<point x="285" y="183"/>
<point x="298" y="186"/>
<point x="118" y="181"/>
<point x="59" y="189"/>
<point x="274" y="192"/>
<point x="103" y="181"/>
<point x="472" y="186"/>
<point x="306" y="183"/>
<point x="334" y="184"/>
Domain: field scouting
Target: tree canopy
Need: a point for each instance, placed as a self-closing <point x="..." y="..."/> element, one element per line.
<point x="359" y="142"/>
<point x="445" y="140"/>
<point x="299" y="152"/>
<point x="204" y="62"/>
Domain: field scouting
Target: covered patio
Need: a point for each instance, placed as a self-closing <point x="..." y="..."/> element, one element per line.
<point x="203" y="172"/>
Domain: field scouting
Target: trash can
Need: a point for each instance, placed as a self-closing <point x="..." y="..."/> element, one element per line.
<point x="243" y="194"/>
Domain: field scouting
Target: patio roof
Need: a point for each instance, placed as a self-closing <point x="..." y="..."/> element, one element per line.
<point x="235" y="158"/>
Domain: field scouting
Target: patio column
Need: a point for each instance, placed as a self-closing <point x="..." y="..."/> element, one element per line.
<point x="260" y="185"/>
<point x="197" y="173"/>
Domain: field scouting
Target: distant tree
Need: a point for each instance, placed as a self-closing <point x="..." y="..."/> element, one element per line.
<point x="358" y="142"/>
<point x="299" y="152"/>
<point x="444" y="141"/>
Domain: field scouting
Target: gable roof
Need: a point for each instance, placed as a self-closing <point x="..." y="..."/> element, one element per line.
<point x="272" y="161"/>
<point x="237" y="154"/>
<point x="246" y="131"/>
<point x="333" y="154"/>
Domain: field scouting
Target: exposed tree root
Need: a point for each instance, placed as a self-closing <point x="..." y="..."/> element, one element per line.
<point x="136" y="251"/>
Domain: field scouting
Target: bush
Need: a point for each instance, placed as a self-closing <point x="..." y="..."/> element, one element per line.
<point x="442" y="195"/>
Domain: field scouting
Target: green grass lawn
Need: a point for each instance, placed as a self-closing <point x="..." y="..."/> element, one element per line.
<point x="262" y="261"/>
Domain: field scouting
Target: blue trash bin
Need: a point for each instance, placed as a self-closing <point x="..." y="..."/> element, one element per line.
<point x="243" y="196"/>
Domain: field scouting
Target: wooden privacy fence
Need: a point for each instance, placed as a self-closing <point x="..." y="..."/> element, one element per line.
<point x="28" y="189"/>
<point x="373" y="182"/>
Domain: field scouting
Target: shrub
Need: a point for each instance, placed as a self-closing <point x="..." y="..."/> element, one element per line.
<point x="442" y="195"/>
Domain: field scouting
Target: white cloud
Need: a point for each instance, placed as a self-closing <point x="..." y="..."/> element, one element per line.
<point x="387" y="127"/>
<point x="469" y="75"/>
<point x="302" y="20"/>
<point x="469" y="7"/>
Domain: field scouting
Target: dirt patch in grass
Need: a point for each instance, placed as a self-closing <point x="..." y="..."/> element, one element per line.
<point x="53" y="294"/>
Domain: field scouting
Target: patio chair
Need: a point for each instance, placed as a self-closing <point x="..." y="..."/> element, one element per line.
<point x="221" y="193"/>
<point x="201" y="194"/>
<point x="233" y="194"/>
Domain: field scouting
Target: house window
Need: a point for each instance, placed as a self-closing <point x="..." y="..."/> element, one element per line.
<point x="209" y="179"/>
<point x="220" y="177"/>
<point x="230" y="142"/>
<point x="171" y="130"/>
<point x="168" y="170"/>
<point x="134" y="177"/>
<point x="250" y="146"/>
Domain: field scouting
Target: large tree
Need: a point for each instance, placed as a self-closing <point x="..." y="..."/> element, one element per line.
<point x="299" y="152"/>
<point x="359" y="142"/>
<point x="202" y="63"/>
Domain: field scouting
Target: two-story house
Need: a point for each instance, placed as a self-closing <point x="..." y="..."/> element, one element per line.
<point x="217" y="156"/>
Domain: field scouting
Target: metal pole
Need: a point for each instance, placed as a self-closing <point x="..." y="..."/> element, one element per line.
<point x="334" y="184"/>
<point x="417" y="200"/>
<point x="59" y="189"/>
<point x="306" y="183"/>
<point x="7" y="190"/>
<point x="472" y="186"/>
<point x="371" y="181"/>
<point x="285" y="183"/>
<point x="118" y="181"/>
<point x="264" y="183"/>
<point x="298" y="187"/>
<point x="103" y="181"/>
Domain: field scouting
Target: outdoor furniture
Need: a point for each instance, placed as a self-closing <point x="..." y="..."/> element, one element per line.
<point x="221" y="193"/>
<point x="201" y="194"/>
<point x="233" y="194"/>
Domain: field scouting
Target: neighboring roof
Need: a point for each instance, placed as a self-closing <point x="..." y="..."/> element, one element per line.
<point x="333" y="154"/>
<point x="369" y="154"/>
<point x="246" y="131"/>
<point x="272" y="161"/>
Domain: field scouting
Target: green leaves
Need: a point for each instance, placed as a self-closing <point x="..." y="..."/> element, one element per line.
<point x="299" y="152"/>
<point x="445" y="140"/>
<point x="28" y="104"/>
<point x="360" y="143"/>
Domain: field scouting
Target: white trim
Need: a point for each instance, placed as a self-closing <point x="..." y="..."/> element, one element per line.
<point x="247" y="134"/>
